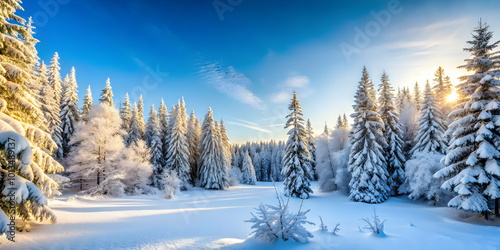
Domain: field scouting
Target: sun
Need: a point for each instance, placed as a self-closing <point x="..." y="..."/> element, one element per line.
<point x="452" y="97"/>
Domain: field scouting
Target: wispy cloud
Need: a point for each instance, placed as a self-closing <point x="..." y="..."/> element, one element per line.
<point x="248" y="122"/>
<point x="230" y="82"/>
<point x="293" y="82"/>
<point x="254" y="127"/>
<point x="277" y="125"/>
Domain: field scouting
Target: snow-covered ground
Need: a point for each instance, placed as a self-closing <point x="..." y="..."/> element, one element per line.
<point x="215" y="219"/>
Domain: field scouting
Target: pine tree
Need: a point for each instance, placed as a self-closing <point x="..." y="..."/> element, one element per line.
<point x="311" y="146"/>
<point x="126" y="113"/>
<point x="417" y="96"/>
<point x="56" y="84"/>
<point x="48" y="103"/>
<point x="248" y="172"/>
<point x="345" y="122"/>
<point x="151" y="126"/>
<point x="393" y="154"/>
<point x="193" y="137"/>
<point x="32" y="56"/>
<point x="340" y="123"/>
<point x="107" y="95"/>
<point x="140" y="117"/>
<point x="225" y="142"/>
<point x="297" y="168"/>
<point x="366" y="160"/>
<point x="88" y="102"/>
<point x="134" y="134"/>
<point x="22" y="120"/>
<point x="442" y="87"/>
<point x="155" y="145"/>
<point x="178" y="153"/>
<point x="212" y="171"/>
<point x="70" y="115"/>
<point x="472" y="162"/>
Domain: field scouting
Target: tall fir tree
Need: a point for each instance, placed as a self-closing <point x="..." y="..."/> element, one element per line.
<point x="140" y="117"/>
<point x="472" y="162"/>
<point x="297" y="168"/>
<point x="225" y="142"/>
<point x="212" y="171"/>
<point x="247" y="170"/>
<point x="107" y="94"/>
<point x="134" y="133"/>
<point x="56" y="84"/>
<point x="193" y="137"/>
<point x="49" y="103"/>
<point x="442" y="86"/>
<point x="70" y="114"/>
<point x="126" y="113"/>
<point x="311" y="146"/>
<point x="393" y="154"/>
<point x="366" y="160"/>
<point x="417" y="96"/>
<point x="88" y="102"/>
<point x="151" y="126"/>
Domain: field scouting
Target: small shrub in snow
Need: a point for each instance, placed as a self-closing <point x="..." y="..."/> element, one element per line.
<point x="171" y="182"/>
<point x="376" y="226"/>
<point x="336" y="229"/>
<point x="234" y="176"/>
<point x="274" y="222"/>
<point x="322" y="226"/>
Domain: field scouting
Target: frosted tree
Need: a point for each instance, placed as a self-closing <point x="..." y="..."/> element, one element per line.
<point x="417" y="96"/>
<point x="88" y="102"/>
<point x="366" y="160"/>
<point x="163" y="116"/>
<point x="126" y="113"/>
<point x="472" y="162"/>
<point x="212" y="171"/>
<point x="442" y="86"/>
<point x="297" y="168"/>
<point x="70" y="114"/>
<point x="225" y="142"/>
<point x="136" y="168"/>
<point x="32" y="60"/>
<point x="156" y="154"/>
<point x="151" y="126"/>
<point x="98" y="144"/>
<point x="140" y="115"/>
<point x="193" y="138"/>
<point x="340" y="123"/>
<point x="324" y="167"/>
<point x="427" y="153"/>
<point x="247" y="170"/>
<point x="107" y="95"/>
<point x="311" y="146"/>
<point x="56" y="83"/>
<point x="393" y="154"/>
<point x="134" y="134"/>
<point x="48" y="104"/>
<point x="177" y="151"/>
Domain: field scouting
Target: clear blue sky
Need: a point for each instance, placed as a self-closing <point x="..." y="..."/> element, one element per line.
<point x="245" y="59"/>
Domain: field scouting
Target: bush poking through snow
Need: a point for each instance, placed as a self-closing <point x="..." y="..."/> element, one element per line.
<point x="336" y="229"/>
<point x="171" y="182"/>
<point x="322" y="226"/>
<point x="274" y="222"/>
<point x="376" y="226"/>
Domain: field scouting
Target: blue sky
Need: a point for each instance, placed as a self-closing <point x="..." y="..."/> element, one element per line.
<point x="245" y="58"/>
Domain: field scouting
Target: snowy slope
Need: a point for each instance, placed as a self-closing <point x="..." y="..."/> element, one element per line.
<point x="215" y="219"/>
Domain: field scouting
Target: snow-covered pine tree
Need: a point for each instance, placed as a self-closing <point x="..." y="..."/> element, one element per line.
<point x="340" y="123"/>
<point x="56" y="84"/>
<point x="22" y="120"/>
<point x="32" y="57"/>
<point x="472" y="162"/>
<point x="324" y="167"/>
<point x="247" y="170"/>
<point x="193" y="137"/>
<point x="156" y="154"/>
<point x="134" y="134"/>
<point x="88" y="102"/>
<point x="70" y="115"/>
<point x="177" y="159"/>
<point x="225" y="142"/>
<point x="393" y="154"/>
<point x="151" y="126"/>
<point x="311" y="146"/>
<point x="366" y="160"/>
<point x="442" y="86"/>
<point x="417" y="96"/>
<point x="107" y="94"/>
<point x="427" y="153"/>
<point x="140" y="115"/>
<point x="48" y="103"/>
<point x="98" y="144"/>
<point x="163" y="116"/>
<point x="212" y="171"/>
<point x="126" y="113"/>
<point x="297" y="168"/>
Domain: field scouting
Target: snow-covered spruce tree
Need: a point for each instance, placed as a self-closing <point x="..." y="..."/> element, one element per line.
<point x="136" y="168"/>
<point x="274" y="222"/>
<point x="163" y="117"/>
<point x="56" y="83"/>
<point x="126" y="113"/>
<point x="417" y="96"/>
<point x="48" y="103"/>
<point x="193" y="138"/>
<point x="167" y="133"/>
<point x="32" y="59"/>
<point x="107" y="95"/>
<point x="472" y="162"/>
<point x="225" y="142"/>
<point x="297" y="168"/>
<point x="311" y="146"/>
<point x="140" y="115"/>
<point x="366" y="160"/>
<point x="324" y="166"/>
<point x="408" y="118"/>
<point x="156" y="155"/>
<point x="134" y="133"/>
<point x="178" y="153"/>
<point x="212" y="171"/>
<point x="248" y="172"/>
<point x="393" y="154"/>
<point x="151" y="126"/>
<point x="88" y="102"/>
<point x="22" y="120"/>
<point x="70" y="114"/>
<point x="442" y="89"/>
<point x="98" y="144"/>
<point x="427" y="153"/>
